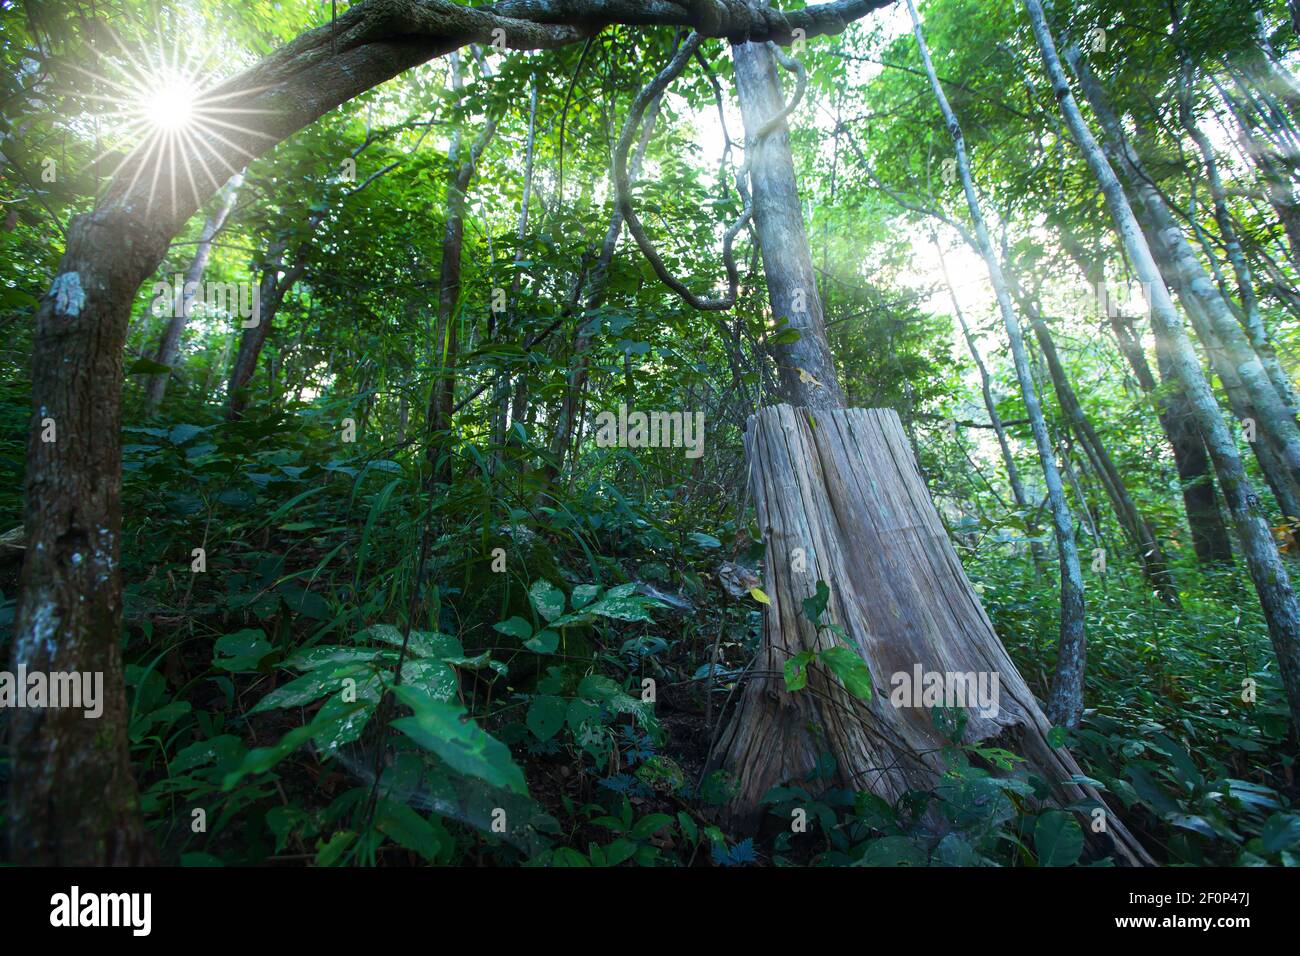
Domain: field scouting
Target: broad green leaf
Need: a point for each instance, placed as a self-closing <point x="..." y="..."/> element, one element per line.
<point x="407" y="828"/>
<point x="427" y="644"/>
<point x="850" y="668"/>
<point x="648" y="825"/>
<point x="241" y="651"/>
<point x="1058" y="839"/>
<point x="311" y="686"/>
<point x="543" y="642"/>
<point x="262" y="759"/>
<point x="546" y="716"/>
<point x="815" y="605"/>
<point x="622" y="604"/>
<point x="444" y="729"/>
<point x="795" y="670"/>
<point x="584" y="594"/>
<point x="547" y="599"/>
<point x="515" y="627"/>
<point x="329" y="853"/>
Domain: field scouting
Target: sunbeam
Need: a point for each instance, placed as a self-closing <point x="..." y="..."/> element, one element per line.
<point x="166" y="116"/>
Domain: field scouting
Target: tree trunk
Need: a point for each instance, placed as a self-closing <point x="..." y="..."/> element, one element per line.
<point x="842" y="485"/>
<point x="1251" y="319"/>
<point x="1065" y="702"/>
<point x="446" y="341"/>
<point x="170" y="345"/>
<point x="1265" y="446"/>
<point x="597" y="281"/>
<point x="1150" y="552"/>
<point x="1278" y="188"/>
<point x="274" y="288"/>
<point x="1008" y="459"/>
<point x="1200" y="502"/>
<point x="1276" y="596"/>
<point x="501" y="397"/>
<point x="805" y="367"/>
<point x="72" y="796"/>
<point x="1183" y="271"/>
<point x="1209" y="534"/>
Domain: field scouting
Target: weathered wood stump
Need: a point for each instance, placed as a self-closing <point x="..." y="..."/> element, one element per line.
<point x="840" y="499"/>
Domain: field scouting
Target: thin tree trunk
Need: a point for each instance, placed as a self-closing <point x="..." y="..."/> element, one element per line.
<point x="1278" y="188"/>
<point x="1065" y="702"/>
<point x="1183" y="271"/>
<point x="1150" y="552"/>
<point x="170" y="344"/>
<point x="502" y="397"/>
<point x="446" y="339"/>
<point x="1196" y="478"/>
<point x="1277" y="598"/>
<point x="1252" y="321"/>
<point x="1265" y="446"/>
<point x="596" y="284"/>
<point x="1008" y="459"/>
<point x="1209" y="534"/>
<point x="274" y="288"/>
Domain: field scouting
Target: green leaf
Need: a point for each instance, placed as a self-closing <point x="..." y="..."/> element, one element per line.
<point x="327" y="854"/>
<point x="515" y="627"/>
<point x="427" y="644"/>
<point x="340" y="722"/>
<point x="543" y="642"/>
<point x="435" y="678"/>
<point x="566" y="856"/>
<point x="622" y="604"/>
<point x="407" y="828"/>
<point x="310" y="686"/>
<point x="314" y="657"/>
<point x="261" y="759"/>
<point x="815" y="605"/>
<point x="584" y="594"/>
<point x="1280" y="832"/>
<point x="796" y="671"/>
<point x="444" y="729"/>
<point x="597" y="687"/>
<point x="548" y="599"/>
<point x="689" y="828"/>
<point x="619" y="851"/>
<point x="649" y="824"/>
<point x="850" y="668"/>
<point x="241" y="651"/>
<point x="1058" y="839"/>
<point x="144" y="366"/>
<point x="581" y="711"/>
<point x="892" y="851"/>
<point x="546" y="716"/>
<point x="183" y="433"/>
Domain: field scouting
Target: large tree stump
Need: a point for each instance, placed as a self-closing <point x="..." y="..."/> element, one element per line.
<point x="843" y="486"/>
